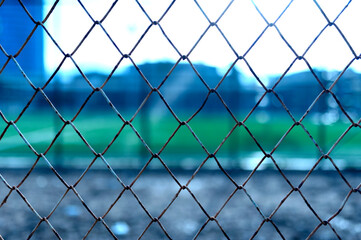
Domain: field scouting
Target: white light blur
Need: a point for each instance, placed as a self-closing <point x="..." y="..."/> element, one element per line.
<point x="184" y="24"/>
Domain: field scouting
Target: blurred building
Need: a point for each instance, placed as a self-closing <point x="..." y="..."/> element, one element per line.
<point x="15" y="28"/>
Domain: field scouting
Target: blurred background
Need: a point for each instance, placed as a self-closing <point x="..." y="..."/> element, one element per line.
<point x="97" y="60"/>
<point x="241" y="84"/>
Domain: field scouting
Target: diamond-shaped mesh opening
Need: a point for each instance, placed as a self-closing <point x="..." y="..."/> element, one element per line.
<point x="126" y="144"/>
<point x="238" y="207"/>
<point x="13" y="81"/>
<point x="346" y="223"/>
<point x="163" y="182"/>
<point x="42" y="189"/>
<point x="294" y="26"/>
<point x="76" y="24"/>
<point x="298" y="212"/>
<point x="220" y="117"/>
<point x="155" y="123"/>
<point x="68" y="214"/>
<point x="187" y="96"/>
<point x="179" y="119"/>
<point x="240" y="90"/>
<point x="190" y="219"/>
<point x="184" y="25"/>
<point x="330" y="45"/>
<point x="97" y="44"/>
<point x="129" y="28"/>
<point x="126" y="89"/>
<point x="172" y="155"/>
<point x="325" y="125"/>
<point x="327" y="208"/>
<point x="291" y="86"/>
<point x="147" y="51"/>
<point x="39" y="133"/>
<point x="110" y="192"/>
<point x="15" y="204"/>
<point x="96" y="130"/>
<point x="71" y="89"/>
<point x="297" y="150"/>
<point x="220" y="184"/>
<point x="269" y="117"/>
<point x="249" y="25"/>
<point x="213" y="49"/>
<point x="68" y="148"/>
<point x="157" y="74"/>
<point x="123" y="217"/>
<point x="238" y="149"/>
<point x="267" y="200"/>
<point x="276" y="47"/>
<point x="209" y="76"/>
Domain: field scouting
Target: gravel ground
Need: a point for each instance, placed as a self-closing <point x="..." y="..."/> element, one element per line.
<point x="325" y="192"/>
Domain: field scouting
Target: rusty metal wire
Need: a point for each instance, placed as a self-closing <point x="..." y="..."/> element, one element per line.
<point x="182" y="123"/>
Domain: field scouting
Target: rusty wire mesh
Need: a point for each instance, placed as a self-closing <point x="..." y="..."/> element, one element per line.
<point x="182" y="123"/>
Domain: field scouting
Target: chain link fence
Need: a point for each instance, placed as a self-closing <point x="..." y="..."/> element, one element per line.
<point x="232" y="204"/>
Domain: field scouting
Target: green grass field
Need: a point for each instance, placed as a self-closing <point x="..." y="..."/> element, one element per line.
<point x="100" y="129"/>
